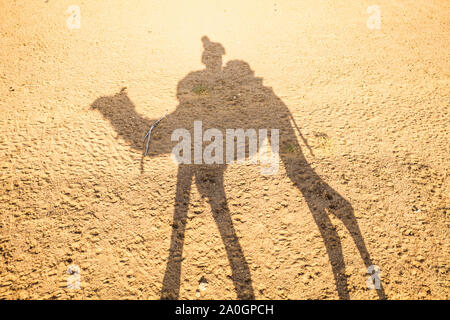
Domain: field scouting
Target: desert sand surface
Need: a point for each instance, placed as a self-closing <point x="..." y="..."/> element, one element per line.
<point x="364" y="149"/>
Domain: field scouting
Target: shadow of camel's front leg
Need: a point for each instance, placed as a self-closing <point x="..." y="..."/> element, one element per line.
<point x="215" y="193"/>
<point x="171" y="281"/>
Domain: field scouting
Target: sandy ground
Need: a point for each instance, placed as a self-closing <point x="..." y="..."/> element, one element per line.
<point x="373" y="106"/>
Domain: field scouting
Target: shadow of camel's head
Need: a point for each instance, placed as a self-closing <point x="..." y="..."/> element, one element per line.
<point x="110" y="105"/>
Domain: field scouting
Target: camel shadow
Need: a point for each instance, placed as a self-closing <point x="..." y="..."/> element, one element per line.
<point x="224" y="97"/>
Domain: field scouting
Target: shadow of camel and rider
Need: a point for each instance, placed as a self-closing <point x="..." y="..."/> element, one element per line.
<point x="224" y="97"/>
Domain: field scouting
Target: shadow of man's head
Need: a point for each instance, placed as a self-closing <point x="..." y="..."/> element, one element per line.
<point x="212" y="55"/>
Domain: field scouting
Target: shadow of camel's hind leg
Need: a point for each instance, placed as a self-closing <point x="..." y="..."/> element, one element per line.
<point x="342" y="209"/>
<point x="331" y="240"/>
<point x="217" y="199"/>
<point x="333" y="246"/>
<point x="323" y="200"/>
<point x="171" y="281"/>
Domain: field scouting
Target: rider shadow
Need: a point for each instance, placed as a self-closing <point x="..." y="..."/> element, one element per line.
<point x="231" y="97"/>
